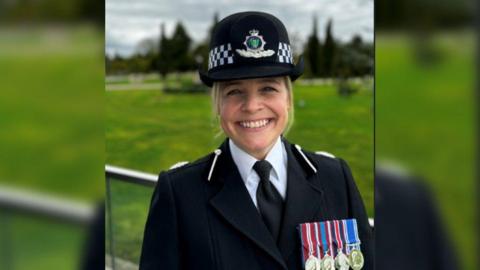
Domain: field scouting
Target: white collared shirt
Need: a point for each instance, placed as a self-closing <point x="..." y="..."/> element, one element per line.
<point x="278" y="176"/>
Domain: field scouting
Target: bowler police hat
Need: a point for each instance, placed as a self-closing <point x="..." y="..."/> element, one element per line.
<point x="250" y="45"/>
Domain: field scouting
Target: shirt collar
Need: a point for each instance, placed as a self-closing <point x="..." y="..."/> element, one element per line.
<point x="244" y="161"/>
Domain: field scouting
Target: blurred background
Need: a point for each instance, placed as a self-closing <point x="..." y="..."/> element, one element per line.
<point x="425" y="134"/>
<point x="51" y="132"/>
<point x="70" y="89"/>
<point x="158" y="112"/>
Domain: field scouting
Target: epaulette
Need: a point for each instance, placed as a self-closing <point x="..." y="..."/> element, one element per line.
<point x="178" y="165"/>
<point x="326" y="154"/>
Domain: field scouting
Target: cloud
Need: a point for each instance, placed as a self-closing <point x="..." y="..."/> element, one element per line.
<point x="128" y="22"/>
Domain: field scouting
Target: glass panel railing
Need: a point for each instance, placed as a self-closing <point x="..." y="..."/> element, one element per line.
<point x="50" y="232"/>
<point x="127" y="204"/>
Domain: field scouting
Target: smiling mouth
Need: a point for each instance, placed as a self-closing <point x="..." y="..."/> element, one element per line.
<point x="255" y="124"/>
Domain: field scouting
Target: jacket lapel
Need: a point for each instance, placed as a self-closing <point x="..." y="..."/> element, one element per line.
<point x="303" y="203"/>
<point x="233" y="202"/>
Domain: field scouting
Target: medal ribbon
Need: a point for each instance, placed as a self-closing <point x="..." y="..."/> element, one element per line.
<point x="345" y="234"/>
<point x="311" y="251"/>
<point x="323" y="235"/>
<point x="329" y="237"/>
<point x="303" y="239"/>
<point x="310" y="240"/>
<point x="357" y="238"/>
<point x="338" y="237"/>
<point x="352" y="233"/>
<point x="318" y="247"/>
<point x="317" y="238"/>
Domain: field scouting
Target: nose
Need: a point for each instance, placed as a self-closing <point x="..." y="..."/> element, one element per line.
<point x="252" y="103"/>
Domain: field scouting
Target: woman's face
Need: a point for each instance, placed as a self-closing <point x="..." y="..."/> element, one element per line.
<point x="254" y="112"/>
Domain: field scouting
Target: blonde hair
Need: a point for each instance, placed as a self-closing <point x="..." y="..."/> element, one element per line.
<point x="216" y="96"/>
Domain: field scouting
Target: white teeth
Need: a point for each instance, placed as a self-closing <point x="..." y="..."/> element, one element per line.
<point x="254" y="124"/>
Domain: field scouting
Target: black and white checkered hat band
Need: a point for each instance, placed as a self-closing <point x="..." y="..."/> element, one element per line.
<point x="220" y="55"/>
<point x="284" y="53"/>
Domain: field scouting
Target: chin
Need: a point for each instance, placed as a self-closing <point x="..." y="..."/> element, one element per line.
<point x="257" y="147"/>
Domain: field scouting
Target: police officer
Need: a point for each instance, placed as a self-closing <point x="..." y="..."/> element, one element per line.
<point x="242" y="206"/>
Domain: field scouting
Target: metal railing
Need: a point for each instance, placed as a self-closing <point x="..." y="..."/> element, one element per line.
<point x="129" y="176"/>
<point x="45" y="206"/>
<point x="19" y="201"/>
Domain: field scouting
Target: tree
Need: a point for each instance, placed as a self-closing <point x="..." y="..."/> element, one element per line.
<point x="329" y="51"/>
<point x="354" y="58"/>
<point x="212" y="27"/>
<point x="201" y="51"/>
<point x="163" y="54"/>
<point x="146" y="47"/>
<point x="312" y="51"/>
<point x="200" y="55"/>
<point x="296" y="43"/>
<point x="179" y="49"/>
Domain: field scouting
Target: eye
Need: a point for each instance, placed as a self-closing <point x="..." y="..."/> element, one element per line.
<point x="269" y="89"/>
<point x="233" y="92"/>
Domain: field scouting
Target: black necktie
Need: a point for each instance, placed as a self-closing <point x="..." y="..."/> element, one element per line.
<point x="269" y="201"/>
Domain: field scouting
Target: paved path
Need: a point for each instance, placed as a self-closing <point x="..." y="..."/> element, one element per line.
<point x="133" y="86"/>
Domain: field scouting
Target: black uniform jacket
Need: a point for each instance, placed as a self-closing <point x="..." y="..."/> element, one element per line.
<point x="194" y="223"/>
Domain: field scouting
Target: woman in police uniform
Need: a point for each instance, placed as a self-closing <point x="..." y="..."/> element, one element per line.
<point x="240" y="207"/>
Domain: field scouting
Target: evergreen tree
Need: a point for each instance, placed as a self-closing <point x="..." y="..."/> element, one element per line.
<point x="354" y="58"/>
<point x="163" y="54"/>
<point x="329" y="51"/>
<point x="210" y="30"/>
<point x="313" y="51"/>
<point x="179" y="49"/>
<point x="201" y="52"/>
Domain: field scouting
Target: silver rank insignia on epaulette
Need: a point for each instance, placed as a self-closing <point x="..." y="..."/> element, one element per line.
<point x="326" y="154"/>
<point x="299" y="149"/>
<point x="178" y="165"/>
<point x="217" y="153"/>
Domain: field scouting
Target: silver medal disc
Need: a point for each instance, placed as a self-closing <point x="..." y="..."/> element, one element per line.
<point x="341" y="261"/>
<point x="328" y="263"/>
<point x="312" y="263"/>
<point x="356" y="259"/>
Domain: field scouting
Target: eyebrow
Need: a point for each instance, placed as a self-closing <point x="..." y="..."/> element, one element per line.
<point x="262" y="80"/>
<point x="272" y="80"/>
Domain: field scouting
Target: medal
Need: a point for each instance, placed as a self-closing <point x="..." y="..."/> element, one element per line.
<point x="330" y="245"/>
<point x="327" y="263"/>
<point x="310" y="251"/>
<point x="352" y="240"/>
<point x="312" y="263"/>
<point x="341" y="260"/>
<point x="356" y="259"/>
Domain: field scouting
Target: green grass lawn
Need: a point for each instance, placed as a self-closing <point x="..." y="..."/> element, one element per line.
<point x="150" y="131"/>
<point x="40" y="244"/>
<point x="51" y="106"/>
<point x="425" y="121"/>
<point x="51" y="135"/>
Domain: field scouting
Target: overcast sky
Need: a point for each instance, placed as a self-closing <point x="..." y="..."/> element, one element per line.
<point x="130" y="21"/>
